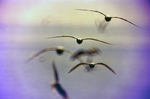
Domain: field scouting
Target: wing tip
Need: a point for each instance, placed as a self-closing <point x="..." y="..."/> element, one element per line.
<point x="114" y="73"/>
<point x="27" y="61"/>
<point x="69" y="72"/>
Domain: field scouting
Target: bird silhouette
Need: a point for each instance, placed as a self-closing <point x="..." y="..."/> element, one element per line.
<point x="56" y="84"/>
<point x="92" y="65"/>
<point x="108" y="17"/>
<point x="79" y="40"/>
<point x="82" y="52"/>
<point x="58" y="49"/>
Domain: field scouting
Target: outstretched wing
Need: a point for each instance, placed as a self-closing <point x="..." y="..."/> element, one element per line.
<point x="38" y="53"/>
<point x="77" y="66"/>
<point x="55" y="71"/>
<point x="62" y="36"/>
<point x="127" y="21"/>
<point x="96" y="40"/>
<point x="106" y="66"/>
<point x="68" y="51"/>
<point x="91" y="11"/>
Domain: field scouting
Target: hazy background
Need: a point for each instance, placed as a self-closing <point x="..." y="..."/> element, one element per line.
<point x="24" y="25"/>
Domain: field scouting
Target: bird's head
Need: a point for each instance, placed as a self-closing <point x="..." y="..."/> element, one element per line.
<point x="107" y="18"/>
<point x="54" y="85"/>
<point x="79" y="40"/>
<point x="92" y="65"/>
<point x="60" y="50"/>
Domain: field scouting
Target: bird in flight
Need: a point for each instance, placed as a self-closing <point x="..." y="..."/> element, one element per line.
<point x="58" y="49"/>
<point x="56" y="84"/>
<point x="108" y="17"/>
<point x="92" y="65"/>
<point x="101" y="26"/>
<point x="81" y="52"/>
<point x="79" y="40"/>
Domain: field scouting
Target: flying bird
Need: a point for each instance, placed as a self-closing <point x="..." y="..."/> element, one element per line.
<point x="92" y="65"/>
<point x="101" y="26"/>
<point x="56" y="84"/>
<point x="79" y="40"/>
<point x="58" y="49"/>
<point x="82" y="52"/>
<point x="108" y="17"/>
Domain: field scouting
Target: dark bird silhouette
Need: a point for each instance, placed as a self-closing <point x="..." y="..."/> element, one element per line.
<point x="92" y="65"/>
<point x="81" y="52"/>
<point x="108" y="18"/>
<point x="79" y="40"/>
<point x="58" y="49"/>
<point x="56" y="84"/>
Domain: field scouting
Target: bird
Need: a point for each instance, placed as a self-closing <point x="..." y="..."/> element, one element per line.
<point x="101" y="26"/>
<point x="108" y="17"/>
<point x="58" y="49"/>
<point x="79" y="40"/>
<point x="92" y="65"/>
<point x="82" y="52"/>
<point x="56" y="83"/>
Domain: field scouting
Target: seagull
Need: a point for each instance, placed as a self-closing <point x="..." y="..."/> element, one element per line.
<point x="58" y="49"/>
<point x="92" y="65"/>
<point x="108" y="17"/>
<point x="56" y="84"/>
<point x="81" y="52"/>
<point x="79" y="40"/>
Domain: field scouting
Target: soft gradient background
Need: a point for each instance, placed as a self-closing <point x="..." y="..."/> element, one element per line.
<point x="24" y="25"/>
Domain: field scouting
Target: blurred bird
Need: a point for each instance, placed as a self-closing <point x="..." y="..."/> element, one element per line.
<point x="58" y="49"/>
<point x="92" y="65"/>
<point x="79" y="40"/>
<point x="56" y="84"/>
<point x="108" y="17"/>
<point x="101" y="26"/>
<point x="81" y="52"/>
